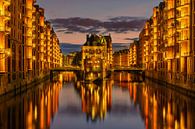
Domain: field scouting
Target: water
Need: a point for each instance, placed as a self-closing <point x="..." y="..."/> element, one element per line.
<point x="116" y="103"/>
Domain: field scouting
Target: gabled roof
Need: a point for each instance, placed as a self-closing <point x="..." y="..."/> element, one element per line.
<point x="97" y="40"/>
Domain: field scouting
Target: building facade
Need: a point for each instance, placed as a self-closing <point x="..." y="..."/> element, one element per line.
<point x="121" y="58"/>
<point x="168" y="40"/>
<point x="135" y="54"/>
<point x="26" y="44"/>
<point x="5" y="30"/>
<point x="96" y="56"/>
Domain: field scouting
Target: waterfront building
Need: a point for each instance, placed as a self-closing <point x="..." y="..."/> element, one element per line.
<point x="121" y="58"/>
<point x="38" y="38"/>
<point x="144" y="41"/>
<point x="5" y="30"/>
<point x="134" y="54"/>
<point x="27" y="11"/>
<point x="109" y="51"/>
<point x="168" y="40"/>
<point x="96" y="56"/>
<point x="56" y="56"/>
<point x="26" y="49"/>
<point x="47" y="46"/>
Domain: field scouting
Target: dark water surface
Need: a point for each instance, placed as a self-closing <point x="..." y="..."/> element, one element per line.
<point x="116" y="103"/>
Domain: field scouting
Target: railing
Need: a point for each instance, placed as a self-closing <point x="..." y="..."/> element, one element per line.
<point x="179" y="3"/>
<point x="5" y="13"/>
<point x="128" y="68"/>
<point x="71" y="68"/>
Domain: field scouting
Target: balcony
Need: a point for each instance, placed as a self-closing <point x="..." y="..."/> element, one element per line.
<point x="185" y="50"/>
<point x="5" y="14"/>
<point x="170" y="5"/>
<point x="5" y="29"/>
<point x="183" y="27"/>
<point x="180" y="39"/>
<point x="33" y="45"/>
<point x="29" y="13"/>
<point x="182" y="16"/>
<point x="29" y="34"/>
<point x="182" y="4"/>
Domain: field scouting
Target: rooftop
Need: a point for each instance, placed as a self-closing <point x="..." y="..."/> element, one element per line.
<point x="98" y="40"/>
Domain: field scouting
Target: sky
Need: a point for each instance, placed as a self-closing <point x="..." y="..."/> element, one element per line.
<point x="73" y="19"/>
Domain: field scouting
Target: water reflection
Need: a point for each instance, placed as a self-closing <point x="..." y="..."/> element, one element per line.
<point x="164" y="108"/>
<point x="68" y="77"/>
<point x="32" y="110"/>
<point x="116" y="103"/>
<point x="126" y="77"/>
<point x="96" y="99"/>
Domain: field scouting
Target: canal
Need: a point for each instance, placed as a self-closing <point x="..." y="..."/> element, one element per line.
<point x="122" y="101"/>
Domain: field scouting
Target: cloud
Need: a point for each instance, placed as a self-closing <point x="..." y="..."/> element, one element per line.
<point x="124" y="18"/>
<point x="121" y="24"/>
<point x="68" y="32"/>
<point x="131" y="39"/>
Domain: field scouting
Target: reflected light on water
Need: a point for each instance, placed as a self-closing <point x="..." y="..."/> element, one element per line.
<point x="30" y="117"/>
<point x="155" y="107"/>
<point x="95" y="100"/>
<point x="142" y="105"/>
<point x="42" y="112"/>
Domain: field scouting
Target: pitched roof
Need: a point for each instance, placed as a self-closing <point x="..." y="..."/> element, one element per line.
<point x="98" y="40"/>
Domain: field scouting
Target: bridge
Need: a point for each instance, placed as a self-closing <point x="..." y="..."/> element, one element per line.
<point x="63" y="69"/>
<point x="128" y="69"/>
<point x="77" y="68"/>
<point x="66" y="68"/>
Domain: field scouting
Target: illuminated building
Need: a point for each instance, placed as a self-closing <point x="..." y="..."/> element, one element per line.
<point x="38" y="13"/>
<point x="27" y="37"/>
<point x="25" y="44"/>
<point x="5" y="31"/>
<point x="47" y="46"/>
<point x="134" y="54"/>
<point x="46" y="52"/>
<point x="109" y="51"/>
<point x="96" y="56"/>
<point x="168" y="40"/>
<point x="121" y="58"/>
<point x="56" y="56"/>
<point x="144" y="40"/>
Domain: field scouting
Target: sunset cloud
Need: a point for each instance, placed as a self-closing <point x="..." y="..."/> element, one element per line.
<point x="72" y="19"/>
<point x="88" y="25"/>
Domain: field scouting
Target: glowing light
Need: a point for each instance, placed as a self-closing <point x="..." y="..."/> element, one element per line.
<point x="35" y="113"/>
<point x="6" y="52"/>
